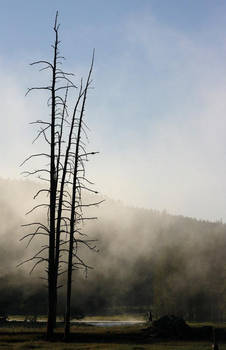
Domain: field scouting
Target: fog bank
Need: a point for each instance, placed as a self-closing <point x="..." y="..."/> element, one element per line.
<point x="147" y="259"/>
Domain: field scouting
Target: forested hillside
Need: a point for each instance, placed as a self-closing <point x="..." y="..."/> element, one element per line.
<point x="146" y="260"/>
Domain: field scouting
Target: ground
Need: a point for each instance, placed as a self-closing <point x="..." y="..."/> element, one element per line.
<point x="98" y="338"/>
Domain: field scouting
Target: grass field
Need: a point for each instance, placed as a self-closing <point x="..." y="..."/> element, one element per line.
<point x="97" y="338"/>
<point x="84" y="346"/>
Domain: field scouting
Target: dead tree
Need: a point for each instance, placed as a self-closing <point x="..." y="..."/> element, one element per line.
<point x="77" y="159"/>
<point x="215" y="342"/>
<point x="52" y="134"/>
<point x="65" y="154"/>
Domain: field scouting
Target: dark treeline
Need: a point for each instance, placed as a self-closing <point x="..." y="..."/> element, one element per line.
<point x="147" y="260"/>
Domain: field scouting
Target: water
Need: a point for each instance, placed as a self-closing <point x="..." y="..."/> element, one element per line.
<point x="100" y="323"/>
<point x="108" y="323"/>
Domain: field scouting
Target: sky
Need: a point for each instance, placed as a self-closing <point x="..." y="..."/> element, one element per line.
<point x="157" y="113"/>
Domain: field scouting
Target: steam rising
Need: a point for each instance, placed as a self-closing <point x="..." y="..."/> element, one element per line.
<point x="147" y="259"/>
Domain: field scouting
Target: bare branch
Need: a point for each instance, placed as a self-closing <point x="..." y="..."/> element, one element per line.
<point x="44" y="62"/>
<point x="36" y="207"/>
<point x="38" y="88"/>
<point x="34" y="155"/>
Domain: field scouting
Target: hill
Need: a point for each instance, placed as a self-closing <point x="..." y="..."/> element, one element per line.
<point x="147" y="259"/>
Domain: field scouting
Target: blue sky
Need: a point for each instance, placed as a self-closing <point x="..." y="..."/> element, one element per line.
<point x="158" y="111"/>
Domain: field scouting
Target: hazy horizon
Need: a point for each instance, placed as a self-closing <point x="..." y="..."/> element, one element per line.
<point x="144" y="259"/>
<point x="158" y="111"/>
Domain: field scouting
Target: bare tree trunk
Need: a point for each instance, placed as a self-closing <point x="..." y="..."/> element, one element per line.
<point x="53" y="188"/>
<point x="69" y="282"/>
<point x="73" y="209"/>
<point x="61" y="191"/>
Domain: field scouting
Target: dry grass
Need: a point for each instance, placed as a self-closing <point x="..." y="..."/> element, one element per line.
<point x="40" y="345"/>
<point x="104" y="338"/>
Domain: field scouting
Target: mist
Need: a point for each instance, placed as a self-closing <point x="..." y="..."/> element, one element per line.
<point x="147" y="259"/>
<point x="171" y="120"/>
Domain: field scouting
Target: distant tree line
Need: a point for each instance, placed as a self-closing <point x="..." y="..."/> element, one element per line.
<point x="169" y="264"/>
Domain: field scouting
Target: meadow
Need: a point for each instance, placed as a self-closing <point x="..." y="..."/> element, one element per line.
<point x="85" y="337"/>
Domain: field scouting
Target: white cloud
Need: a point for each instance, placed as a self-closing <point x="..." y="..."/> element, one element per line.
<point x="167" y="128"/>
<point x="157" y="115"/>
